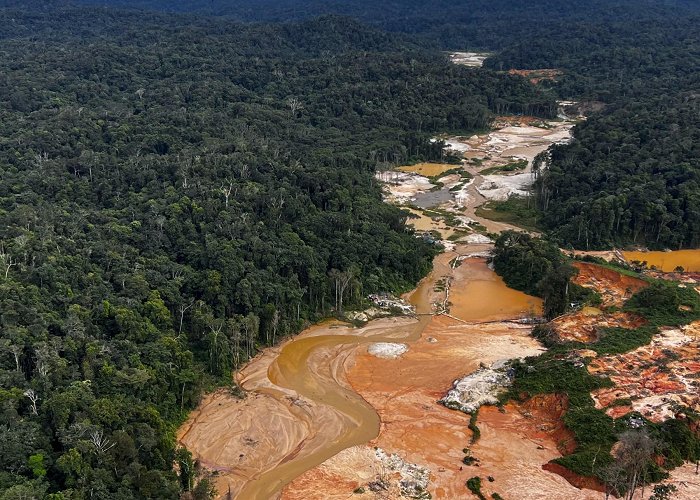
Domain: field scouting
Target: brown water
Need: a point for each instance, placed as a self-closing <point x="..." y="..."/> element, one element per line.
<point x="292" y="370"/>
<point x="689" y="260"/>
<point x="482" y="295"/>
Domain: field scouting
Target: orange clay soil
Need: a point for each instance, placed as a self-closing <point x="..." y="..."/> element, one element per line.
<point x="514" y="446"/>
<point x="687" y="482"/>
<point x="584" y="325"/>
<point x="299" y="410"/>
<point x="614" y="287"/>
<point x="536" y="75"/>
<point x="653" y="379"/>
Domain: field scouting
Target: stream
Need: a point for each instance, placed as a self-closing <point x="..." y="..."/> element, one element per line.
<point x="301" y="410"/>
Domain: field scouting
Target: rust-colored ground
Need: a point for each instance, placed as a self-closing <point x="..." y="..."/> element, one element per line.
<point x="584" y="325"/>
<point x="537" y="75"/>
<point x="615" y="288"/>
<point x="514" y="445"/>
<point x="653" y="379"/>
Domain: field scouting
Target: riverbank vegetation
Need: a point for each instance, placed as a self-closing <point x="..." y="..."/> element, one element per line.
<point x="519" y="211"/>
<point x="631" y="175"/>
<point x="179" y="192"/>
<point x="537" y="267"/>
<point x="563" y="371"/>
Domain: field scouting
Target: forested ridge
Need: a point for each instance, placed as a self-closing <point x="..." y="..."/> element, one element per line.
<point x="178" y="190"/>
<point x="630" y="178"/>
<point x="174" y="196"/>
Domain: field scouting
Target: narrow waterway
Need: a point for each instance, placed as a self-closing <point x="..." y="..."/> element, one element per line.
<point x="301" y="410"/>
<point x="292" y="370"/>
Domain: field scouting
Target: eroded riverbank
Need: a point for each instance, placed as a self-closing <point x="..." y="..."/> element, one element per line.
<point x="300" y="409"/>
<point x="322" y="392"/>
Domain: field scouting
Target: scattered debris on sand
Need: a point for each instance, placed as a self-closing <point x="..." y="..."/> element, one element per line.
<point x="502" y="187"/>
<point x="412" y="478"/>
<point x="363" y="472"/>
<point x="389" y="302"/>
<point x="482" y="387"/>
<point x="402" y="187"/>
<point x="654" y="380"/>
<point x="584" y="325"/>
<point x="477" y="239"/>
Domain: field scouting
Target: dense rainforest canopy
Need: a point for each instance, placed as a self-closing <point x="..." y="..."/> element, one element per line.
<point x="177" y="190"/>
<point x="616" y="185"/>
<point x="176" y="194"/>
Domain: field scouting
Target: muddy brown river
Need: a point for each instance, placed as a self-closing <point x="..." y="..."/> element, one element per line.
<point x="301" y="410"/>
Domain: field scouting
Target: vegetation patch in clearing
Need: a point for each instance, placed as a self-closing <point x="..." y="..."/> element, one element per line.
<point x="516" y="210"/>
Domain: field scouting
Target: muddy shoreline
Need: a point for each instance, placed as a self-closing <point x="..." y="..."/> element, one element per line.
<point x="308" y="401"/>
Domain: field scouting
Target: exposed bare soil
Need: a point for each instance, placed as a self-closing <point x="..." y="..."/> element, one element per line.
<point x="584" y="325"/>
<point x="615" y="288"/>
<point x="653" y="379"/>
<point x="328" y="412"/>
<point x="404" y="392"/>
<point x="537" y="75"/>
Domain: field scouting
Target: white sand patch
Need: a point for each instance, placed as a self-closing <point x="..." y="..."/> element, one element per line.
<point x="449" y="245"/>
<point x="414" y="479"/>
<point x="479" y="388"/>
<point x="658" y="408"/>
<point x="478" y="239"/>
<point x="464" y="222"/>
<point x="672" y="338"/>
<point x="501" y="187"/>
<point x="387" y="350"/>
<point x="470" y="59"/>
<point x="402" y="187"/>
<point x="457" y="146"/>
<point x="525" y="142"/>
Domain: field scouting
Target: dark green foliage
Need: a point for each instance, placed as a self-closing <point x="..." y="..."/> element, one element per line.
<point x="476" y="433"/>
<point x="510" y="167"/>
<point x="554" y="373"/>
<point x="560" y="371"/>
<point x="663" y="492"/>
<point x="177" y="193"/>
<point x="474" y="485"/>
<point x="517" y="210"/>
<point x="621" y="340"/>
<point x="666" y="303"/>
<point x="204" y="490"/>
<point x="678" y="442"/>
<point x="557" y="373"/>
<point x="524" y="261"/>
<point x="537" y="267"/>
<point x="631" y="177"/>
